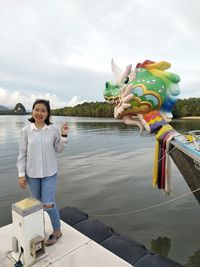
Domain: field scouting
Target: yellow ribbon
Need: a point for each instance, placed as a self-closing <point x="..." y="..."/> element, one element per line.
<point x="155" y="168"/>
<point x="165" y="128"/>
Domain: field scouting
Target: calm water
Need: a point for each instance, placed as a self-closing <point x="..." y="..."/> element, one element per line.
<point x="106" y="169"/>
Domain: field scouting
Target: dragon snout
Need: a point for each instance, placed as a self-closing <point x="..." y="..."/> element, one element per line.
<point x="111" y="93"/>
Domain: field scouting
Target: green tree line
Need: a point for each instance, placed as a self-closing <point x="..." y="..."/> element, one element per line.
<point x="187" y="107"/>
<point x="91" y="109"/>
<point x="183" y="108"/>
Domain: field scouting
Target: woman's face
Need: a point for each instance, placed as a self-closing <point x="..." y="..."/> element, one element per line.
<point x="40" y="113"/>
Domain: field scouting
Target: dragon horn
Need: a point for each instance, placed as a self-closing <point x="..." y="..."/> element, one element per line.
<point x="116" y="71"/>
<point x="127" y="71"/>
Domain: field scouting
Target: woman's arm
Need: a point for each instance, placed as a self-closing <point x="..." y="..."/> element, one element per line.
<point x="21" y="161"/>
<point x="61" y="139"/>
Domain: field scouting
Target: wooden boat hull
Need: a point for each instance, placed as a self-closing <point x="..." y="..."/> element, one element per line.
<point x="187" y="159"/>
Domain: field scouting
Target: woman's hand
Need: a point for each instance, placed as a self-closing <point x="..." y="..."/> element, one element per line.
<point x="22" y="182"/>
<point x="64" y="129"/>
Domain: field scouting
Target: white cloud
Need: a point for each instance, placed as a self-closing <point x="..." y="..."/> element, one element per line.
<point x="10" y="99"/>
<point x="75" y="101"/>
<point x="62" y="49"/>
<point x="3" y="95"/>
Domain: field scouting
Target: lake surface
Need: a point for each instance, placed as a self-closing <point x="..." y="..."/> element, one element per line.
<point x="106" y="169"/>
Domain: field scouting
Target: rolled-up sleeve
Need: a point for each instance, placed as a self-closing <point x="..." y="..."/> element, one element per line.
<point x="21" y="162"/>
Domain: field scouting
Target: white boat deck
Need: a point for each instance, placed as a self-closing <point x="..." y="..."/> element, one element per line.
<point x="73" y="249"/>
<point x="190" y="148"/>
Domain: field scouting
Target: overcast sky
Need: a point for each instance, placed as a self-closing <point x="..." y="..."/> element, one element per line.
<point x="62" y="49"/>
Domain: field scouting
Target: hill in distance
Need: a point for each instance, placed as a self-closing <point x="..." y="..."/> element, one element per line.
<point x="19" y="109"/>
<point x="3" y="108"/>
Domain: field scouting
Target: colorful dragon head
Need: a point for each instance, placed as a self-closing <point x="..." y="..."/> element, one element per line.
<point x="143" y="94"/>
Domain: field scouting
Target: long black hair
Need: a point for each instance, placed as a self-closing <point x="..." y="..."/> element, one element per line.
<point x="47" y="105"/>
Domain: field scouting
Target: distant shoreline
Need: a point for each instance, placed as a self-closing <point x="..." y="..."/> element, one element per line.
<point x="190" y="118"/>
<point x="28" y="113"/>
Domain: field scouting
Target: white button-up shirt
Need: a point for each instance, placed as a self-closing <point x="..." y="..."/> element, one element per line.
<point x="37" y="157"/>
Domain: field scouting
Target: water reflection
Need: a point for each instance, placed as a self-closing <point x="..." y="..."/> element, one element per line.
<point x="184" y="126"/>
<point x="101" y="157"/>
<point x="6" y="127"/>
<point x="161" y="245"/>
<point x="3" y="134"/>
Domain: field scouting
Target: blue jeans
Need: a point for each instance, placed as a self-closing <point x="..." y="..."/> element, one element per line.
<point x="44" y="190"/>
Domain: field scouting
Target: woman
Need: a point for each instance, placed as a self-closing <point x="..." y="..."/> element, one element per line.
<point x="37" y="164"/>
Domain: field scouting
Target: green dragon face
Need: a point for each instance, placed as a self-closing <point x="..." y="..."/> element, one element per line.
<point x="148" y="87"/>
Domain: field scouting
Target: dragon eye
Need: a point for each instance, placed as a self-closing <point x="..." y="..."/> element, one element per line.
<point x="126" y="80"/>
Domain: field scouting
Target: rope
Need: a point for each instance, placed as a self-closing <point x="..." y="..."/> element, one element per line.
<point x="124" y="185"/>
<point x="144" y="209"/>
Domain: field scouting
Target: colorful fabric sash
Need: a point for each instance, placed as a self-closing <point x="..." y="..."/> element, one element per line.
<point x="161" y="172"/>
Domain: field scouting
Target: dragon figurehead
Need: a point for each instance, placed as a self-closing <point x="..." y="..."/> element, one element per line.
<point x="143" y="96"/>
